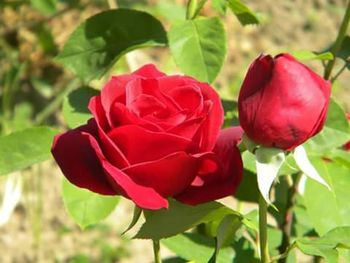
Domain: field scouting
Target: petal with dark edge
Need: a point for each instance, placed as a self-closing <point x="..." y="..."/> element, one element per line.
<point x="79" y="162"/>
<point x="211" y="184"/>
<point x="83" y="163"/>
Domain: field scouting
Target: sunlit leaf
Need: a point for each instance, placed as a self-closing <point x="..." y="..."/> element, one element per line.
<point x="335" y="133"/>
<point x="327" y="245"/>
<point x="243" y="13"/>
<point x="199" y="47"/>
<point x="165" y="222"/>
<point x="328" y="209"/>
<point x="21" y="149"/>
<point x="309" y="55"/>
<point x="101" y="40"/>
<point x="85" y="207"/>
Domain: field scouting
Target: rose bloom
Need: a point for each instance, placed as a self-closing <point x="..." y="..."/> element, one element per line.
<point x="153" y="136"/>
<point x="282" y="103"/>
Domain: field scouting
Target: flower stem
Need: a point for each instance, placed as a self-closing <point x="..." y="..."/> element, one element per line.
<point x="338" y="42"/>
<point x="156" y="251"/>
<point x="288" y="216"/>
<point x="264" y="250"/>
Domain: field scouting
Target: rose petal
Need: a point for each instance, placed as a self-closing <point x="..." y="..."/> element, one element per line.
<point x="114" y="91"/>
<point x="188" y="97"/>
<point x="168" y="176"/>
<point x="147" y="104"/>
<point x="78" y="161"/>
<point x="95" y="107"/>
<point x="188" y="129"/>
<point x="121" y="115"/>
<point x="215" y="119"/>
<point x="217" y="183"/>
<point x="112" y="152"/>
<point x="149" y="71"/>
<point x="141" y="145"/>
<point x="143" y="197"/>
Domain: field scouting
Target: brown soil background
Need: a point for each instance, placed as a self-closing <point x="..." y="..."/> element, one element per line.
<point x="40" y="229"/>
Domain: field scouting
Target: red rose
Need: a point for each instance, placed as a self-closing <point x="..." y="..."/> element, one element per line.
<point x="151" y="137"/>
<point x="282" y="103"/>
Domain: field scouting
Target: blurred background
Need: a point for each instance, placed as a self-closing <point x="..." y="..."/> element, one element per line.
<point x="32" y="32"/>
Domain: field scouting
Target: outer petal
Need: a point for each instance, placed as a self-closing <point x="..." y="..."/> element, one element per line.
<point x="87" y="167"/>
<point x="168" y="176"/>
<point x="113" y="153"/>
<point x="213" y="183"/>
<point x="79" y="162"/>
<point x="143" y="196"/>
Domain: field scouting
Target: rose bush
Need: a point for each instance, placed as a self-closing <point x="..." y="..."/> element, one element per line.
<point x="152" y="137"/>
<point x="282" y="103"/>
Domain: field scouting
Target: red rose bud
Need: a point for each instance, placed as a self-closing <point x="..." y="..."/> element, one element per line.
<point x="282" y="103"/>
<point x="153" y="136"/>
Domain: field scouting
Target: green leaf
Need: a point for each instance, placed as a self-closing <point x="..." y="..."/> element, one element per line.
<point x="248" y="188"/>
<point x="75" y="106"/>
<point x="326" y="246"/>
<point x="197" y="248"/>
<point x="243" y="13"/>
<point x="170" y="10"/>
<point x="336" y="127"/>
<point x="220" y="6"/>
<point x="85" y="207"/>
<point x="309" y="55"/>
<point x="328" y="209"/>
<point x="101" y="40"/>
<point x="136" y="216"/>
<point x="21" y="149"/>
<point x="225" y="233"/>
<point x="199" y="47"/>
<point x="166" y="222"/>
<point x="46" y="7"/>
<point x="21" y="117"/>
<point x="336" y="118"/>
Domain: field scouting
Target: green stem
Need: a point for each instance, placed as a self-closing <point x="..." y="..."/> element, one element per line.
<point x="55" y="104"/>
<point x="288" y="216"/>
<point x="338" y="42"/>
<point x="264" y="250"/>
<point x="156" y="251"/>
